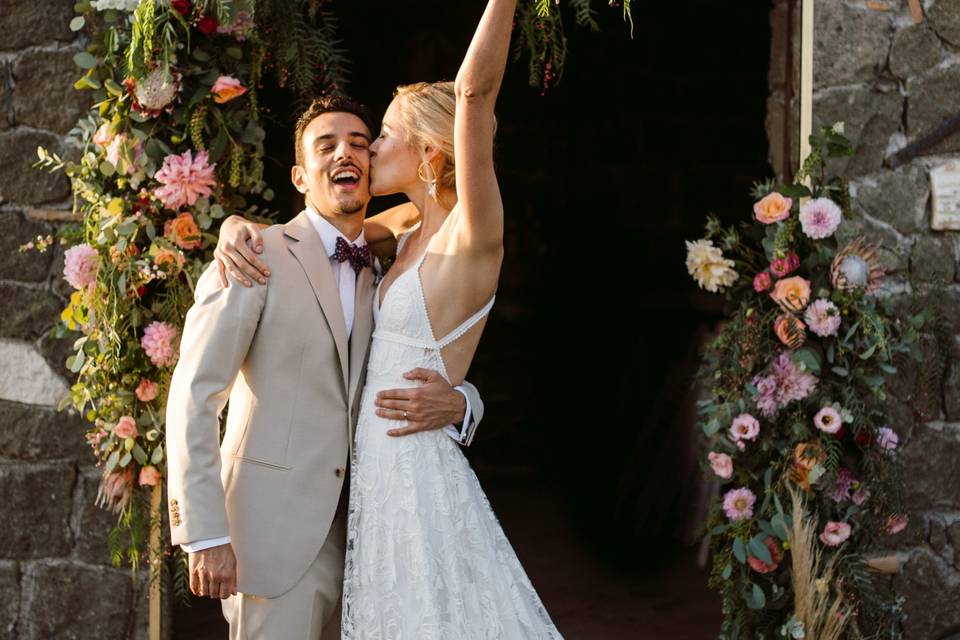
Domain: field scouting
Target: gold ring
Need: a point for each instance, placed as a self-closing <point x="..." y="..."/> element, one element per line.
<point x="404" y="415"/>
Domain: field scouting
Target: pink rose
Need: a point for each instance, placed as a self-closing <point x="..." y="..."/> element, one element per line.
<point x="896" y="524"/>
<point x="762" y="281"/>
<point x="149" y="476"/>
<point x="887" y="439"/>
<point x="759" y="565"/>
<point x="226" y="88"/>
<point x="126" y="428"/>
<point x="721" y="464"/>
<point x="773" y="207"/>
<point x="147" y="390"/>
<point x="828" y="420"/>
<point x="835" y="533"/>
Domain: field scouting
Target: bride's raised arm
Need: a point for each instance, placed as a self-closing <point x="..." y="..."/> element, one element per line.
<point x="476" y="87"/>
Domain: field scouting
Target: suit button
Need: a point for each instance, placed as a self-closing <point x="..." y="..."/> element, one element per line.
<point x="339" y="472"/>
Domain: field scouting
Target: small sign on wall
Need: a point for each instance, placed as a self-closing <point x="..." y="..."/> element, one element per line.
<point x="945" y="188"/>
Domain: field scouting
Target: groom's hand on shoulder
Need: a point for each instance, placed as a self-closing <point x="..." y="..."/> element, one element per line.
<point x="213" y="572"/>
<point x="432" y="405"/>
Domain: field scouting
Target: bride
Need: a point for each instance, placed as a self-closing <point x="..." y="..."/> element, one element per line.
<point x="426" y="556"/>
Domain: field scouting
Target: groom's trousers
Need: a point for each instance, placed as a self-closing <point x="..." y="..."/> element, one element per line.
<point x="311" y="609"/>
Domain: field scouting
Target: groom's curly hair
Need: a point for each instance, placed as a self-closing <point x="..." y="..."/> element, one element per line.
<point x="327" y="103"/>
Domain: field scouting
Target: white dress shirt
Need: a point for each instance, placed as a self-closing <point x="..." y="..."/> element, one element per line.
<point x="346" y="279"/>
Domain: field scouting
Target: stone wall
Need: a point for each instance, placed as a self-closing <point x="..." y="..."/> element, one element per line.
<point x="890" y="80"/>
<point x="56" y="578"/>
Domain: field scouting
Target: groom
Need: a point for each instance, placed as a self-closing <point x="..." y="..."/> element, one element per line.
<point x="263" y="515"/>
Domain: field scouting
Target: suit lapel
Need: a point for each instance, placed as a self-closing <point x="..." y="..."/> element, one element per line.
<point x="309" y="251"/>
<point x="362" y="328"/>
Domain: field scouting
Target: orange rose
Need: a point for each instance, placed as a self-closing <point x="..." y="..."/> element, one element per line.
<point x="226" y="88"/>
<point x="183" y="230"/>
<point x="792" y="294"/>
<point x="806" y="455"/>
<point x="116" y="255"/>
<point x="772" y="208"/>
<point x="170" y="260"/>
<point x="790" y="329"/>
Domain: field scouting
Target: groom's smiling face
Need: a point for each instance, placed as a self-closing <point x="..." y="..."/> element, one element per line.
<point x="335" y="174"/>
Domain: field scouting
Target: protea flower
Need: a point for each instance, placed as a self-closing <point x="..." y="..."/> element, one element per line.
<point x="857" y="266"/>
<point x="153" y="94"/>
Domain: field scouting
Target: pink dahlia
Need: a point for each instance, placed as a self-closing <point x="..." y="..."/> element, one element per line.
<point x="738" y="503"/>
<point x="721" y="464"/>
<point x="887" y="439"/>
<point x="820" y="217"/>
<point x="184" y="179"/>
<point x="744" y="427"/>
<point x="81" y="264"/>
<point x="823" y="317"/>
<point x="828" y="420"/>
<point x="783" y="383"/>
<point x="159" y="342"/>
<point x="835" y="533"/>
<point x="843" y="485"/>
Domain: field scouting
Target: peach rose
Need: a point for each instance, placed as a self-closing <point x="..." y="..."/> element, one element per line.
<point x="790" y="330"/>
<point x="104" y="136"/>
<point x="170" y="260"/>
<point x="183" y="230"/>
<point x="226" y="88"/>
<point x="149" y="476"/>
<point x="806" y="455"/>
<point x="126" y="428"/>
<point x="772" y="208"/>
<point x="147" y="390"/>
<point x="792" y="294"/>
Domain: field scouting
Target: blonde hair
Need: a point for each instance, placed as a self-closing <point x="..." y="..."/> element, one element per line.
<point x="426" y="111"/>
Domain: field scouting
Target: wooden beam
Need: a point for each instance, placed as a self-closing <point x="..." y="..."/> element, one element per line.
<point x="806" y="79"/>
<point x="916" y="11"/>
<point x="946" y="128"/>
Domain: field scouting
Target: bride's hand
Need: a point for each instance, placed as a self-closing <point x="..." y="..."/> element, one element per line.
<point x="234" y="254"/>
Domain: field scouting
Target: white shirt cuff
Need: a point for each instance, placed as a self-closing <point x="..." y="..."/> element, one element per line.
<point x="461" y="434"/>
<point x="200" y="545"/>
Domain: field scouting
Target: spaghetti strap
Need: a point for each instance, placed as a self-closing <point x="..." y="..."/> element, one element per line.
<point x="466" y="325"/>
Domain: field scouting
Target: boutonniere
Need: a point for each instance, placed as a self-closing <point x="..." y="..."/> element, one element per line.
<point x="380" y="268"/>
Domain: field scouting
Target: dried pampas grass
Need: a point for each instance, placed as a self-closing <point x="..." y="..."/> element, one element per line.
<point x="820" y="612"/>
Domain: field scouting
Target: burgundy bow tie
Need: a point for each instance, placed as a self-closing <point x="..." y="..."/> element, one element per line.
<point x="359" y="257"/>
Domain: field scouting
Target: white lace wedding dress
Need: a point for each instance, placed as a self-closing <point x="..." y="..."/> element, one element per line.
<point x="426" y="556"/>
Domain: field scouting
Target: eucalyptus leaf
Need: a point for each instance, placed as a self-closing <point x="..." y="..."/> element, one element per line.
<point x="112" y="461"/>
<point x="757" y="599"/>
<point x="739" y="550"/>
<point x="125" y="460"/>
<point x="85" y="60"/>
<point x="157" y="456"/>
<point x="759" y="550"/>
<point x="840" y="371"/>
<point x="139" y="454"/>
<point x="77" y="23"/>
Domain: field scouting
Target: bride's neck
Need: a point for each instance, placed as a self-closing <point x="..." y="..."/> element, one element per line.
<point x="432" y="213"/>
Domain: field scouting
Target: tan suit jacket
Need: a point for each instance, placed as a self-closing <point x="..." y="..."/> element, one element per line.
<point x="280" y="353"/>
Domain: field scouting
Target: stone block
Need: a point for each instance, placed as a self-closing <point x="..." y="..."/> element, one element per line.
<point x="944" y="17"/>
<point x="36" y="22"/>
<point x="37" y="499"/>
<point x="9" y="597"/>
<point x="916" y="48"/>
<point x="29" y="312"/>
<point x="29" y="266"/>
<point x="20" y="181"/>
<point x="951" y="390"/>
<point x="897" y="197"/>
<point x="931" y="473"/>
<point x="932" y="590"/>
<point x="932" y="258"/>
<point x="29" y="432"/>
<point x="931" y="98"/>
<point x="72" y="601"/>
<point x="871" y="117"/>
<point x="55" y="72"/>
<point x="836" y="61"/>
<point x="26" y="377"/>
<point x="6" y="97"/>
<point x="91" y="523"/>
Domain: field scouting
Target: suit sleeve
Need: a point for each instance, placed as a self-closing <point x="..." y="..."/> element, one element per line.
<point x="474" y="413"/>
<point x="217" y="333"/>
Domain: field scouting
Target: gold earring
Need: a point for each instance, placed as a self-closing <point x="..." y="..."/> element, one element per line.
<point x="432" y="182"/>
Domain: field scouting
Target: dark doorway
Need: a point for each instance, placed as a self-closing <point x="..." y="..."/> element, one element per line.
<point x="587" y="451"/>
